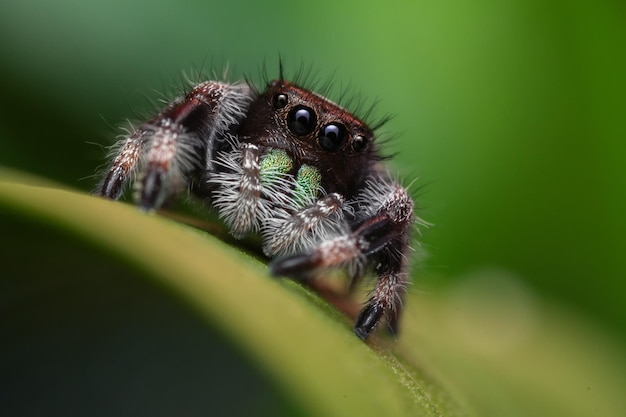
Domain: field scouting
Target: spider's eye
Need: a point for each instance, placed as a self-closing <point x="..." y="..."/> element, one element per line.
<point x="332" y="137"/>
<point x="279" y="100"/>
<point x="301" y="120"/>
<point x="359" y="142"/>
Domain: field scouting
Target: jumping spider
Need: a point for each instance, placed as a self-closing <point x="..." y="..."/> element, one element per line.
<point x="286" y="163"/>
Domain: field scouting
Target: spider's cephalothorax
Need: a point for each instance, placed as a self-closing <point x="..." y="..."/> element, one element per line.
<point x="288" y="164"/>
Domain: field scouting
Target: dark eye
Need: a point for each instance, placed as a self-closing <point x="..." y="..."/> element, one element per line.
<point x="279" y="100"/>
<point x="332" y="137"/>
<point x="359" y="143"/>
<point x="301" y="120"/>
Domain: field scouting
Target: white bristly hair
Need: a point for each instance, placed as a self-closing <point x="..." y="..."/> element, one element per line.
<point x="290" y="231"/>
<point x="243" y="201"/>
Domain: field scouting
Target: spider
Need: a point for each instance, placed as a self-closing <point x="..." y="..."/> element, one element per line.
<point x="285" y="163"/>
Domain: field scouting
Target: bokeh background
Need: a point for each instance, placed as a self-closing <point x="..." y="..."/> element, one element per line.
<point x="512" y="114"/>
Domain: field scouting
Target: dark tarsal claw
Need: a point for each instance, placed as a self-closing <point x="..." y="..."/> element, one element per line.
<point x="367" y="320"/>
<point x="113" y="185"/>
<point x="295" y="267"/>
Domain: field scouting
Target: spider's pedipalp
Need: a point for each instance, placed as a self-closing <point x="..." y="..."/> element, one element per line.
<point x="289" y="233"/>
<point x="251" y="187"/>
<point x="238" y="195"/>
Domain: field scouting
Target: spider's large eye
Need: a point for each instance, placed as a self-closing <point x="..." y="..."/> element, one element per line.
<point x="280" y="100"/>
<point x="301" y="120"/>
<point x="332" y="136"/>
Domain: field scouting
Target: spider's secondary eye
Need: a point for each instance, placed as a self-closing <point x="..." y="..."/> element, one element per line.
<point x="280" y="101"/>
<point x="359" y="143"/>
<point x="301" y="120"/>
<point x="332" y="137"/>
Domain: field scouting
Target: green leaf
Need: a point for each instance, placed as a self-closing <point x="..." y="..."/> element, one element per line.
<point x="488" y="349"/>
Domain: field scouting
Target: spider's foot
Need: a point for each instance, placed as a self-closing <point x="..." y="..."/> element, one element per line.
<point x="295" y="267"/>
<point x="112" y="186"/>
<point x="367" y="320"/>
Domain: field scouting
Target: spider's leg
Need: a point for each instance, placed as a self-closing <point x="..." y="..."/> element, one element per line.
<point x="381" y="238"/>
<point x="388" y="295"/>
<point x="124" y="166"/>
<point x="167" y="151"/>
<point x="287" y="234"/>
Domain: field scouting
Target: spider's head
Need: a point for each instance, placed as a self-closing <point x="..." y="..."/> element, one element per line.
<point x="314" y="131"/>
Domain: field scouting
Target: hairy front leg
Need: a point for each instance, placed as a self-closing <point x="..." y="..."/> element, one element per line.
<point x="124" y="165"/>
<point x="167" y="151"/>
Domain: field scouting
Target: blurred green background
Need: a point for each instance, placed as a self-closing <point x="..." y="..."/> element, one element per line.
<point x="512" y="114"/>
